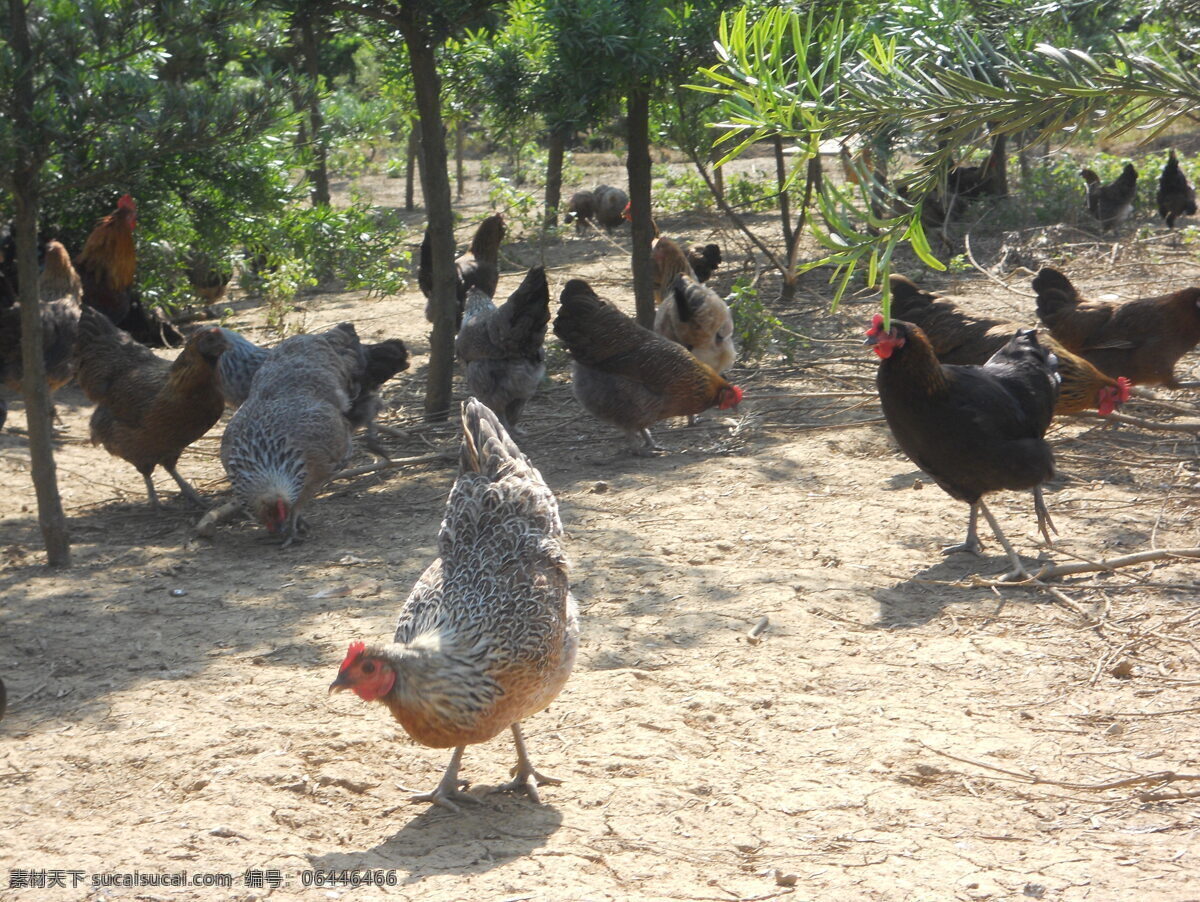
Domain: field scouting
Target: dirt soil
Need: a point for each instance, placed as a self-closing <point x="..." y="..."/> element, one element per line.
<point x="903" y="729"/>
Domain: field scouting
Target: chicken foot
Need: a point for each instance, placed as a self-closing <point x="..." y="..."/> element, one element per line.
<point x="527" y="779"/>
<point x="971" y="543"/>
<point x="1018" y="571"/>
<point x="447" y="793"/>
<point x="648" y="447"/>
<point x="188" y="492"/>
<point x="1043" y="516"/>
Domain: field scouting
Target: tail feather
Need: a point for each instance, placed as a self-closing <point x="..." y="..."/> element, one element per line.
<point x="1054" y="292"/>
<point x="487" y="448"/>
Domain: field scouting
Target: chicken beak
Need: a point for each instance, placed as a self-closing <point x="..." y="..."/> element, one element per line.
<point x="341" y="683"/>
<point x="872" y="338"/>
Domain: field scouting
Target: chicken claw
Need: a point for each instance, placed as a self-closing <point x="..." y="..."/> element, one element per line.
<point x="527" y="779"/>
<point x="648" y="448"/>
<point x="971" y="543"/>
<point x="447" y="792"/>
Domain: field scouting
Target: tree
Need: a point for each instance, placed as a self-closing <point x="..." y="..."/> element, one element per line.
<point x="635" y="48"/>
<point x="85" y="106"/>
<point x="425" y="25"/>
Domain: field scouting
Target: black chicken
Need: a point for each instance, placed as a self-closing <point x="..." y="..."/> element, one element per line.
<point x="974" y="429"/>
<point x="1176" y="196"/>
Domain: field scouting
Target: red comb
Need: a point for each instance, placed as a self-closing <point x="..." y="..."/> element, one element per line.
<point x="127" y="202"/>
<point x="356" y="649"/>
<point x="1123" y="388"/>
<point x="876" y="324"/>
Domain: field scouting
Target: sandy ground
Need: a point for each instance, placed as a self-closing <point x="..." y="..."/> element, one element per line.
<point x="904" y="730"/>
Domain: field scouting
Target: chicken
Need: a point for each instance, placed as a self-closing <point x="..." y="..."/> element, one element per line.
<point x="478" y="267"/>
<point x="502" y="347"/>
<point x="970" y="182"/>
<point x="610" y="206"/>
<point x="958" y="338"/>
<point x="1176" y="197"/>
<point x="581" y="210"/>
<point x="627" y="375"/>
<point x="107" y="263"/>
<point x="488" y="635"/>
<point x="60" y="293"/>
<point x="694" y="316"/>
<point x="1111" y="204"/>
<point x="974" y="429"/>
<point x="106" y="266"/>
<point x="148" y="409"/>
<point x="1141" y="340"/>
<point x="238" y="365"/>
<point x="704" y="260"/>
<point x="209" y="279"/>
<point x="293" y="433"/>
<point x="668" y="260"/>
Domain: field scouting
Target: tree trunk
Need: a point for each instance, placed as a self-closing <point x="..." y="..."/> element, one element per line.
<point x="554" y="171"/>
<point x="460" y="146"/>
<point x="37" y="396"/>
<point x="998" y="163"/>
<point x="637" y="164"/>
<point x="319" y="174"/>
<point x="785" y="203"/>
<point x="812" y="184"/>
<point x="410" y="167"/>
<point x="435" y="185"/>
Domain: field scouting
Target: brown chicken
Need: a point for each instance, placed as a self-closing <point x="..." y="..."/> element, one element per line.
<point x="974" y="429"/>
<point x="1141" y="340"/>
<point x="627" y="375"/>
<point x="489" y="633"/>
<point x="60" y="294"/>
<point x="669" y="259"/>
<point x="294" y="431"/>
<point x="696" y="317"/>
<point x="478" y="267"/>
<point x="108" y="261"/>
<point x="958" y="338"/>
<point x="1111" y="204"/>
<point x="148" y="409"/>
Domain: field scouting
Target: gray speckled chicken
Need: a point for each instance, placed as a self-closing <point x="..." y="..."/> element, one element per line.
<point x="488" y="634"/>
<point x="293" y="433"/>
<point x="502" y="346"/>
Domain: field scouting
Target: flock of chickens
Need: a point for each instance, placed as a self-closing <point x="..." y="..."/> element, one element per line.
<point x="480" y="646"/>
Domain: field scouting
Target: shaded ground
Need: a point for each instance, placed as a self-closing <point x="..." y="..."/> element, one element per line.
<point x="903" y="731"/>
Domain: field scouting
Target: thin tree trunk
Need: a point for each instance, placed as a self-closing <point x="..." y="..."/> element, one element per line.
<point x="785" y="202"/>
<point x="998" y="164"/>
<point x="812" y="184"/>
<point x="410" y="167"/>
<point x="37" y="396"/>
<point x="435" y="185"/>
<point x="719" y="183"/>
<point x="460" y="147"/>
<point x="554" y="171"/>
<point x="319" y="174"/>
<point x="637" y="164"/>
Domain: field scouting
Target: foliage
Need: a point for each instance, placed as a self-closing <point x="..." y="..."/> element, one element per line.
<point x="758" y="331"/>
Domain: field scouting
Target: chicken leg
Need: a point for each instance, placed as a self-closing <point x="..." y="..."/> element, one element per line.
<point x="971" y="543"/>
<point x="1043" y="516"/>
<point x="1018" y="571"/>
<point x="527" y="779"/>
<point x="447" y="792"/>
<point x="648" y="447"/>
<point x="188" y="492"/>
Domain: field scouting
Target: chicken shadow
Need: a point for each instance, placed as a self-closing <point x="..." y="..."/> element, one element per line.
<point x="914" y="602"/>
<point x="474" y="841"/>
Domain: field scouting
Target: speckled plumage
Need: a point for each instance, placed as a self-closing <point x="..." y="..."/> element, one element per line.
<point x="292" y="433"/>
<point x="502" y="347"/>
<point x="488" y="635"/>
<point x="237" y="367"/>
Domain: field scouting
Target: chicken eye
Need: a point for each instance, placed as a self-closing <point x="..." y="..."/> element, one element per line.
<point x="369" y="667"/>
<point x="689" y="347"/>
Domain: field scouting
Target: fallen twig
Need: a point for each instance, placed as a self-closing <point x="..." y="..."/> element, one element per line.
<point x="1052" y="571"/>
<point x="386" y="464"/>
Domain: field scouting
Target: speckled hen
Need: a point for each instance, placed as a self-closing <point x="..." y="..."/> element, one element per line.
<point x="293" y="432"/>
<point x="488" y="634"/>
<point x="502" y="346"/>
